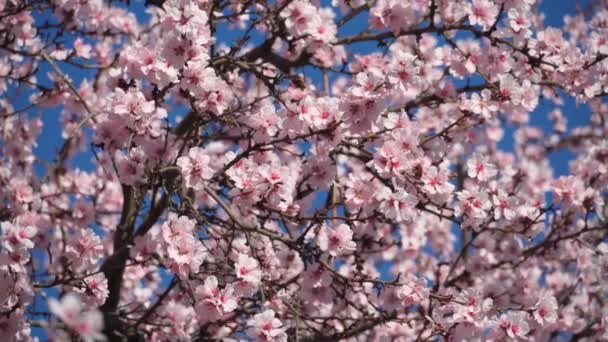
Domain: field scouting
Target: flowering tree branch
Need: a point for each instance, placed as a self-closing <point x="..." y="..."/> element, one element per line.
<point x="288" y="185"/>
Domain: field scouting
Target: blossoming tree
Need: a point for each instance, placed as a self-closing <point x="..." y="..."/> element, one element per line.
<point x="284" y="185"/>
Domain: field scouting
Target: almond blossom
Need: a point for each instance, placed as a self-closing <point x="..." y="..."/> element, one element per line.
<point x="518" y="19"/>
<point x="214" y="303"/>
<point x="479" y="167"/>
<point x="306" y="170"/>
<point x="399" y="206"/>
<point x="249" y="274"/>
<point x="265" y="327"/>
<point x="336" y="240"/>
<point x="546" y="310"/>
<point x="18" y="237"/>
<point x="195" y="168"/>
<point x="515" y="324"/>
<point x="483" y="13"/>
<point x="87" y="324"/>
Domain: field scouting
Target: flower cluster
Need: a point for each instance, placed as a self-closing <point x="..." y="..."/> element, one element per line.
<point x="303" y="170"/>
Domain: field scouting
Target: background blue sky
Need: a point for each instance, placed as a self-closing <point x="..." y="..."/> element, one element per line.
<point x="51" y="140"/>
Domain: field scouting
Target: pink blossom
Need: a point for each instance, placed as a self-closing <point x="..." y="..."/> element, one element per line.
<point x="393" y="14"/>
<point x="195" y="168"/>
<point x="83" y="248"/>
<point x="214" y="303"/>
<point x="473" y="203"/>
<point x="336" y="240"/>
<point x="82" y="50"/>
<point x="546" y="309"/>
<point x="265" y="327"/>
<point x="358" y="190"/>
<point x="515" y="324"/>
<point x="248" y="270"/>
<point x="482" y="104"/>
<point x="18" y="237"/>
<point x="569" y="190"/>
<point x="551" y="39"/>
<point x="436" y="181"/>
<point x="505" y="206"/>
<point x="265" y="121"/>
<point x="389" y="159"/>
<point x="88" y="324"/>
<point x="483" y="13"/>
<point x="479" y="167"/>
<point x="298" y="17"/>
<point x="95" y="287"/>
<point x="473" y="307"/>
<point x="185" y="252"/>
<point x="413" y="293"/>
<point x="137" y="111"/>
<point x="399" y="206"/>
<point x="519" y="19"/>
<point x="131" y="168"/>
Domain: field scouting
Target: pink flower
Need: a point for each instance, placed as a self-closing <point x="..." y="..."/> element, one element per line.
<point x="196" y="168"/>
<point x="482" y="105"/>
<point x="214" y="303"/>
<point x="413" y="292"/>
<point x="480" y="167"/>
<point x="546" y="309"/>
<point x="316" y="276"/>
<point x="265" y="121"/>
<point x="473" y="307"/>
<point x="367" y="84"/>
<point x="336" y="240"/>
<point x="184" y="250"/>
<point x="264" y="327"/>
<point x="483" y="13"/>
<point x="84" y="248"/>
<point x="131" y="168"/>
<point x="551" y="39"/>
<point x="195" y="76"/>
<point x="436" y="181"/>
<point x="96" y="289"/>
<point x="87" y="324"/>
<point x="322" y="26"/>
<point x="474" y="203"/>
<point x="298" y="17"/>
<point x="18" y="237"/>
<point x="405" y="141"/>
<point x="327" y="112"/>
<point x="82" y="50"/>
<point x="248" y="270"/>
<point x="515" y="324"/>
<point x="569" y="190"/>
<point x="394" y="14"/>
<point x="132" y="105"/>
<point x="510" y="89"/>
<point x="358" y="191"/>
<point x="181" y="319"/>
<point x="177" y="225"/>
<point x="112" y="132"/>
<point x="22" y="191"/>
<point x="404" y="71"/>
<point x="519" y="19"/>
<point x="399" y="206"/>
<point x="390" y="159"/>
<point x="84" y="212"/>
<point x="505" y="206"/>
